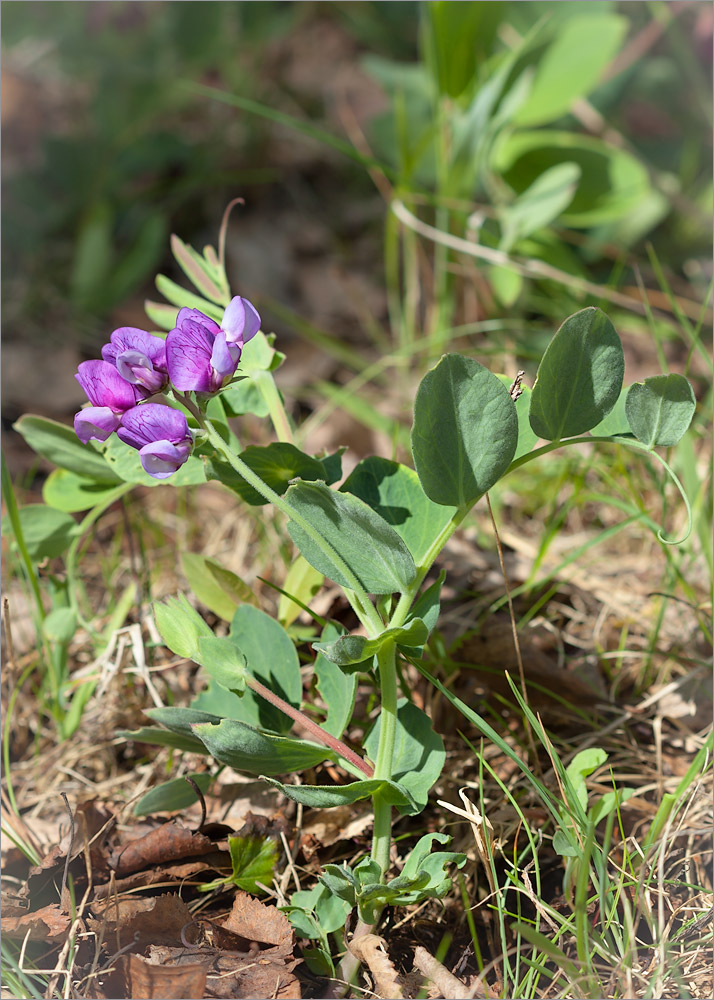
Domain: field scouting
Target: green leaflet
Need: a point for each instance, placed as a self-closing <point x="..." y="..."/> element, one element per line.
<point x="371" y="548"/>
<point x="395" y="493"/>
<point x="660" y="409"/>
<point x="465" y="431"/>
<point x="172" y="795"/>
<point x="579" y="378"/>
<point x="328" y="796"/>
<point x="60" y="445"/>
<point x="247" y="749"/>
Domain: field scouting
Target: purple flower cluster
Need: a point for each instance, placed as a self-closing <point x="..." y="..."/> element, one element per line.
<point x="198" y="356"/>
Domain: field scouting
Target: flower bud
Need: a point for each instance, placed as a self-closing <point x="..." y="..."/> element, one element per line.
<point x="240" y="321"/>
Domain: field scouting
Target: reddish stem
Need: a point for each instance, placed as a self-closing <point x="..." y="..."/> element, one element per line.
<point x="313" y="729"/>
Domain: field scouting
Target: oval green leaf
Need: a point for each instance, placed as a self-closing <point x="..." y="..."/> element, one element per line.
<point x="60" y="445"/>
<point x="224" y="662"/>
<point x="272" y="659"/>
<point x="180" y="626"/>
<point x="579" y="378"/>
<point x="395" y="493"/>
<point x="371" y="548"/>
<point x="540" y="204"/>
<point x="60" y="625"/>
<point x="572" y="65"/>
<point x="660" y="409"/>
<point x="47" y="532"/>
<point x="329" y="796"/>
<point x="172" y="795"/>
<point x="465" y="431"/>
<point x="125" y="462"/>
<point x="276" y="464"/>
<point x="214" y="585"/>
<point x="66" y="491"/>
<point x="247" y="749"/>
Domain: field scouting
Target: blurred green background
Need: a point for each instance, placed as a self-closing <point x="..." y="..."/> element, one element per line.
<point x="112" y="141"/>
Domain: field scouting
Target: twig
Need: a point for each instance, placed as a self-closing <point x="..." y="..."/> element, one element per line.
<point x="199" y="795"/>
<point x="10" y="659"/>
<point x="447" y="984"/>
<point x="313" y="729"/>
<point x="529" y="268"/>
<point x="369" y="949"/>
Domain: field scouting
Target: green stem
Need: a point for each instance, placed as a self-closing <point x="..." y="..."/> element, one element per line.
<point x="382" y="836"/>
<point x="363" y="608"/>
<point x="407" y="598"/>
<point x="628" y="443"/>
<point x="276" y="411"/>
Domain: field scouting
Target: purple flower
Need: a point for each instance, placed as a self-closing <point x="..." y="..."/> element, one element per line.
<point x="200" y="358"/>
<point x="203" y="356"/>
<point x="139" y="357"/>
<point x="110" y="396"/>
<point x="161" y="436"/>
<point x="240" y="321"/>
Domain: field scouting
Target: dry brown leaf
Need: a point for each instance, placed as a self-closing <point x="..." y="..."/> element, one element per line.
<point x="233" y="976"/>
<point x="141" y="922"/>
<point x="255" y="921"/>
<point x="43" y="880"/>
<point x="169" y="842"/>
<point x="216" y="861"/>
<point x="147" y="981"/>
<point x="328" y="826"/>
<point x="48" y="924"/>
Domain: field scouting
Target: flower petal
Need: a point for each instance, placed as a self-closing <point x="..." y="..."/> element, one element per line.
<point x="188" y="354"/>
<point x="224" y="360"/>
<point x="152" y="422"/>
<point x="240" y="320"/>
<point x="131" y="338"/>
<point x="104" y="386"/>
<point x="162" y="458"/>
<point x="137" y="368"/>
<point x="196" y="316"/>
<point x="96" y="422"/>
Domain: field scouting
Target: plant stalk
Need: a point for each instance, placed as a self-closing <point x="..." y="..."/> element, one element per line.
<point x="382" y="835"/>
<point x="312" y="727"/>
<point x="276" y="411"/>
<point x="364" y="609"/>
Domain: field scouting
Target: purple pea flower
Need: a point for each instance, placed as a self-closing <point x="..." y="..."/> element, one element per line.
<point x="110" y="396"/>
<point x="161" y="436"/>
<point x="203" y="356"/>
<point x="139" y="358"/>
<point x="200" y="359"/>
<point x="240" y="321"/>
